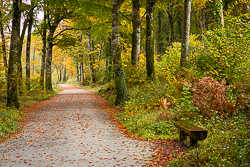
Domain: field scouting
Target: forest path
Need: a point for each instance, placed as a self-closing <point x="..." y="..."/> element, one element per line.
<point x="73" y="129"/>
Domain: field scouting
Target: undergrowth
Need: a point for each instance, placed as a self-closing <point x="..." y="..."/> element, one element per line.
<point x="214" y="94"/>
<point x="10" y="119"/>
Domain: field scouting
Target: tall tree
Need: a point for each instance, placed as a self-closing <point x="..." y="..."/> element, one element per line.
<point x="44" y="35"/>
<point x="218" y="10"/>
<point x="136" y="35"/>
<point x="28" y="51"/>
<point x="159" y="31"/>
<point x="3" y="44"/>
<point x="64" y="70"/>
<point x="12" y="83"/>
<point x="81" y="70"/>
<point x="185" y="32"/>
<point x="120" y="84"/>
<point x="20" y="46"/>
<point x="53" y="22"/>
<point x="91" y="59"/>
<point x="108" y="57"/>
<point x="246" y="7"/>
<point x="56" y="12"/>
<point x="173" y="10"/>
<point x="149" y="39"/>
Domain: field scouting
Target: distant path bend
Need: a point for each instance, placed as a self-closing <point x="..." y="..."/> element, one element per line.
<point x="72" y="129"/>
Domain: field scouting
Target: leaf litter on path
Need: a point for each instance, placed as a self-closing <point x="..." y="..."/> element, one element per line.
<point x="75" y="129"/>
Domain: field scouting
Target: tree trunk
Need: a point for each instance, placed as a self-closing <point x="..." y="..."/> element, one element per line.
<point x="28" y="53"/>
<point x="12" y="83"/>
<point x="246" y="7"/>
<point x="179" y="29"/>
<point x="93" y="56"/>
<point x="34" y="58"/>
<point x="60" y="76"/>
<point x="64" y="71"/>
<point x="149" y="40"/>
<point x="48" y="82"/>
<point x="171" y="22"/>
<point x="185" y="33"/>
<point x="3" y="47"/>
<point x="78" y="71"/>
<point x="20" y="47"/>
<point x="109" y="60"/>
<point x="52" y="28"/>
<point x="81" y="73"/>
<point x="120" y="84"/>
<point x="91" y="59"/>
<point x="218" y="9"/>
<point x="136" y="35"/>
<point x="43" y="51"/>
<point x="159" y="39"/>
<point x="201" y="18"/>
<point x="99" y="57"/>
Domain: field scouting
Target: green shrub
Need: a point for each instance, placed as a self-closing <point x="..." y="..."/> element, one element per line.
<point x="9" y="121"/>
<point x="226" y="52"/>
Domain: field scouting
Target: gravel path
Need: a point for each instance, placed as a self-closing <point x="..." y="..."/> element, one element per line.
<point x="73" y="129"/>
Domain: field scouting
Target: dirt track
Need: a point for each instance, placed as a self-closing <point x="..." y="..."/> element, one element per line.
<point x="72" y="129"/>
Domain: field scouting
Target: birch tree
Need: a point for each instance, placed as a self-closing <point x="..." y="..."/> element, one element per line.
<point x="3" y="44"/>
<point x="136" y="35"/>
<point x="185" y="32"/>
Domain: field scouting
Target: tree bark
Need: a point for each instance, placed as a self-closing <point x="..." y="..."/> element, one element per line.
<point x="78" y="72"/>
<point x="93" y="56"/>
<point x="64" y="71"/>
<point x="34" y="58"/>
<point x="52" y="28"/>
<point x="28" y="52"/>
<point x="48" y="81"/>
<point x="136" y="35"/>
<point x="81" y="71"/>
<point x="20" y="46"/>
<point x="60" y="76"/>
<point x="185" y="33"/>
<point x="109" y="60"/>
<point x="120" y="84"/>
<point x="159" y="39"/>
<point x="91" y="60"/>
<point x="3" y="47"/>
<point x="246" y="7"/>
<point x="218" y="9"/>
<point x="149" y="40"/>
<point x="171" y="22"/>
<point x="43" y="51"/>
<point x="12" y="83"/>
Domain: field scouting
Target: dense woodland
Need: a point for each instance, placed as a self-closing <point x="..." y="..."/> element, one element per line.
<point x="157" y="61"/>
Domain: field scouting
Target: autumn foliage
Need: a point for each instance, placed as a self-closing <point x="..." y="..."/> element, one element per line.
<point x="209" y="95"/>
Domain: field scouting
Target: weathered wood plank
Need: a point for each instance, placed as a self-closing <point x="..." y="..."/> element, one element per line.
<point x="194" y="132"/>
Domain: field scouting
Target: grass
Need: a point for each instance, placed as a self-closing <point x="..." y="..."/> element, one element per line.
<point x="228" y="141"/>
<point x="227" y="144"/>
<point x="11" y="119"/>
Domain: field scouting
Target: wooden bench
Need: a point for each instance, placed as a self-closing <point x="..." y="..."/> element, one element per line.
<point x="194" y="132"/>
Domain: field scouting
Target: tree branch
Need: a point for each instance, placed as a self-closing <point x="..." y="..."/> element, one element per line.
<point x="66" y="29"/>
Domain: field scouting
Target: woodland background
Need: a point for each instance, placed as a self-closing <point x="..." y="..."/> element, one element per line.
<point x="157" y="61"/>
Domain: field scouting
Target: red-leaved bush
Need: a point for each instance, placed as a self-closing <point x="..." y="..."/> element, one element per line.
<point x="209" y="95"/>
